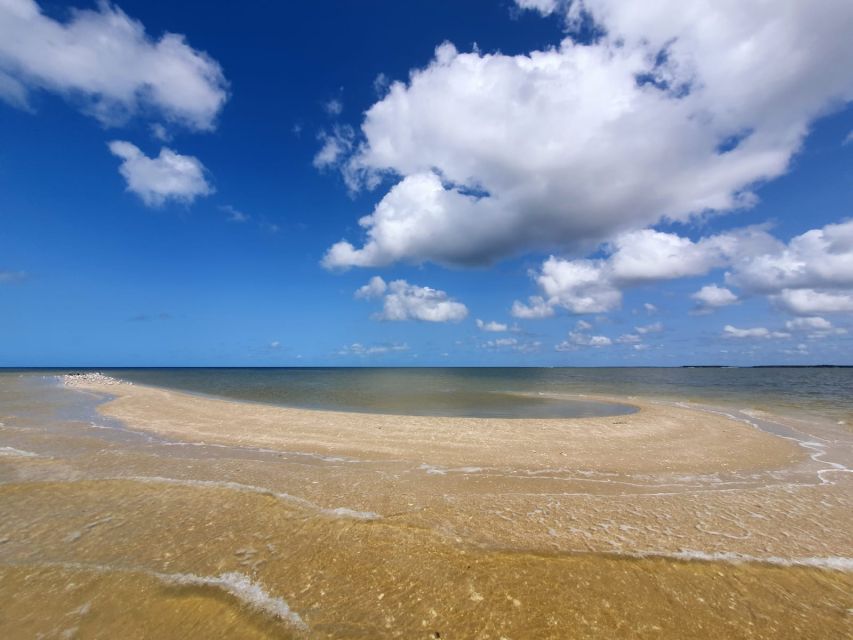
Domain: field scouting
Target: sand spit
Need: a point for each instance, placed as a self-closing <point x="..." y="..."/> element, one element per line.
<point x="656" y="439"/>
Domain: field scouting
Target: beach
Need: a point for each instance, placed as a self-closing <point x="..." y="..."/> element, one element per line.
<point x="139" y="511"/>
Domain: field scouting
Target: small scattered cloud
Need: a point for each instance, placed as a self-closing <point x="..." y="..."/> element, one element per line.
<point x="373" y="289"/>
<point x="380" y="84"/>
<point x="800" y="350"/>
<point x="335" y="145"/>
<point x="358" y="349"/>
<point x="513" y="344"/>
<point x="535" y="309"/>
<point x="403" y="301"/>
<point x="234" y="215"/>
<point x="649" y="308"/>
<point x="578" y="339"/>
<point x="160" y="132"/>
<point x="169" y="176"/>
<point x="501" y="342"/>
<point x="333" y="107"/>
<point x="712" y="297"/>
<point x="655" y="327"/>
<point x="756" y="332"/>
<point x="492" y="326"/>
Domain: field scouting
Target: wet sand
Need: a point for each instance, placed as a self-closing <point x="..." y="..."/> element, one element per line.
<point x="202" y="517"/>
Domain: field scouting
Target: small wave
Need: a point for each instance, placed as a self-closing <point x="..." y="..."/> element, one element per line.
<point x="11" y="452"/>
<point x="832" y="563"/>
<point x="435" y="470"/>
<point x="240" y="586"/>
<point x="337" y="512"/>
<point x="835" y="563"/>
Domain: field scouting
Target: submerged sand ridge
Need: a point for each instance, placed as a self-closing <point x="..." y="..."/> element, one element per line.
<point x="209" y="515"/>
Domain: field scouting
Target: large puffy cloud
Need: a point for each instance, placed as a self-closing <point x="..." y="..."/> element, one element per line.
<point x="404" y="301"/>
<point x="680" y="108"/>
<point x="807" y="302"/>
<point x="635" y="258"/>
<point x="816" y="327"/>
<point x="810" y="275"/>
<point x="106" y="58"/>
<point x="818" y="258"/>
<point x="169" y="176"/>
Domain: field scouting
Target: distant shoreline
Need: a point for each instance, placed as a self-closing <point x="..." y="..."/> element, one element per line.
<point x="71" y="368"/>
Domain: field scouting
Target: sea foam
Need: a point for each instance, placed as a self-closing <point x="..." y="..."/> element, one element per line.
<point x="240" y="586"/>
<point x="244" y="589"/>
<point x="11" y="452"/>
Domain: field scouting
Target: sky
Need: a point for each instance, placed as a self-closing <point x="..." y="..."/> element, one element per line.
<point x="527" y="182"/>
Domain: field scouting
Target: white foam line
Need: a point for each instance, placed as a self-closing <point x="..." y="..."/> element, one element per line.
<point x="816" y="449"/>
<point x="833" y="563"/>
<point x="239" y="585"/>
<point x="337" y="512"/>
<point x="442" y="471"/>
<point x="244" y="589"/>
<point x="12" y="452"/>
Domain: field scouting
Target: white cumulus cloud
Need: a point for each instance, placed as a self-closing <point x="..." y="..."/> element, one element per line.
<point x="680" y="108"/>
<point x="712" y="297"/>
<point x="635" y="258"/>
<point x="404" y="301"/>
<point x="757" y="332"/>
<point x="169" y="176"/>
<point x="107" y="59"/>
<point x="816" y="327"/>
<point x="578" y="339"/>
<point x="655" y="327"/>
<point x="810" y="275"/>
<point x="358" y="349"/>
<point x="806" y="302"/>
<point x="493" y="326"/>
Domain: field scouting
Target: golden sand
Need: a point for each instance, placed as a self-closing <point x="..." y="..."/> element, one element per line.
<point x="667" y="523"/>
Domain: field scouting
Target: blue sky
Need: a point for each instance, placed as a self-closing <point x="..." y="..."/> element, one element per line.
<point x="595" y="185"/>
